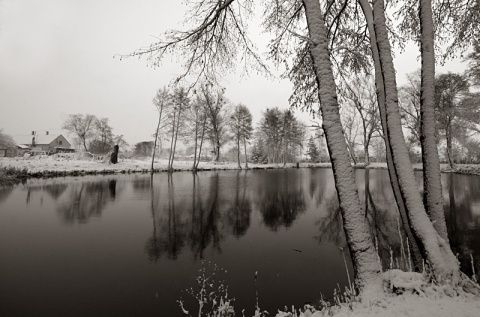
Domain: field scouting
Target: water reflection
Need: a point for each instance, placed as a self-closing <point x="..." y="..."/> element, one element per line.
<point x="462" y="214"/>
<point x="84" y="200"/>
<point x="238" y="214"/>
<point x="280" y="197"/>
<point x="5" y="191"/>
<point x="199" y="216"/>
<point x="159" y="226"/>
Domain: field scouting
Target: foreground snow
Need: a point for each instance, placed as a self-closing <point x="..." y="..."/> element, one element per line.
<point x="406" y="294"/>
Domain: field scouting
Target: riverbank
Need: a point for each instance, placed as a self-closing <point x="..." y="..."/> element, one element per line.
<point x="45" y="167"/>
<point x="428" y="300"/>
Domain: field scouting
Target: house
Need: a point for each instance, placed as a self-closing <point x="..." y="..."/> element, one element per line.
<point x="46" y="142"/>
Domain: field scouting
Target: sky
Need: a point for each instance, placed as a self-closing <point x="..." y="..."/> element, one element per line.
<point x="57" y="59"/>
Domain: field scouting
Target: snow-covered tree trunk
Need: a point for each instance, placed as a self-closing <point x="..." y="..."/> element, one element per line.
<point x="448" y="136"/>
<point x="238" y="150"/>
<point x="245" y="150"/>
<point x="366" y="264"/>
<point x="365" y="150"/>
<point x="368" y="13"/>
<point x="196" y="142"/>
<point x="176" y="135"/>
<point x="170" y="157"/>
<point x="156" y="136"/>
<point x="432" y="184"/>
<point x="435" y="249"/>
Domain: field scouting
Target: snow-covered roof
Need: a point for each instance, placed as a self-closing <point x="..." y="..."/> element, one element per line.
<point x="40" y="138"/>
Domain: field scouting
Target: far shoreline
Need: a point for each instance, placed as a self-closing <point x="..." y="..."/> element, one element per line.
<point x="51" y="168"/>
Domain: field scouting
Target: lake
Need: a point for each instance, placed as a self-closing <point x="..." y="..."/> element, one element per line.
<point x="131" y="245"/>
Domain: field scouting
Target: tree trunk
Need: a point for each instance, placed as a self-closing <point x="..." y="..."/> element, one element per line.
<point x="156" y="137"/>
<point x="170" y="161"/>
<point x="448" y="136"/>
<point x="217" y="150"/>
<point x="84" y="141"/>
<point x="432" y="184"/>
<point x="201" y="142"/>
<point x="436" y="251"/>
<point x="366" y="265"/>
<point x="367" y="159"/>
<point x="238" y="151"/>
<point x="351" y="152"/>
<point x="245" y="148"/>
<point x="176" y="135"/>
<point x="417" y="256"/>
<point x="114" y="155"/>
<point x="196" y="143"/>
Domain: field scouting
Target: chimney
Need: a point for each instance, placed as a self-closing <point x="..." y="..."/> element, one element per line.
<point x="33" y="141"/>
<point x="47" y="133"/>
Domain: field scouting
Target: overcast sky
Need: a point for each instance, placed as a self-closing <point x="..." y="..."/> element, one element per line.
<point x="56" y="59"/>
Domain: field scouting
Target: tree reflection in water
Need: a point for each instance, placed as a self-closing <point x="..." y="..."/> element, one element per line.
<point x="379" y="208"/>
<point x="207" y="215"/>
<point x="462" y="213"/>
<point x="280" y="198"/>
<point x="152" y="246"/>
<point x="168" y="235"/>
<point x="5" y="191"/>
<point x="239" y="213"/>
<point x="86" y="200"/>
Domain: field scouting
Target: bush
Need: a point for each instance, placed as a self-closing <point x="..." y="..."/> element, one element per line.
<point x="9" y="174"/>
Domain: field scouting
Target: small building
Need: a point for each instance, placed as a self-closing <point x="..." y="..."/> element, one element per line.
<point x="47" y="143"/>
<point x="10" y="151"/>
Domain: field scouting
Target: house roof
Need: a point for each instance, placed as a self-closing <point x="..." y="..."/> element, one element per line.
<point x="40" y="139"/>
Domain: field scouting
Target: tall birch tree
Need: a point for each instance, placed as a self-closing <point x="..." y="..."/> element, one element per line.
<point x="366" y="265"/>
<point x="434" y="248"/>
<point x="432" y="183"/>
<point x="161" y="101"/>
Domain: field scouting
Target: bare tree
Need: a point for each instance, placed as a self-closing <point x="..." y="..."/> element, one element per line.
<point x="241" y="127"/>
<point x="81" y="126"/>
<point x="217" y="117"/>
<point x="103" y="137"/>
<point x="409" y="102"/>
<point x="361" y="94"/>
<point x="197" y="126"/>
<point x="180" y="103"/>
<point x="161" y="101"/>
<point x="448" y="91"/>
<point x="6" y="140"/>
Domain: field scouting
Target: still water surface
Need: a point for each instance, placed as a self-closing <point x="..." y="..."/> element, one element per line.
<point x="129" y="245"/>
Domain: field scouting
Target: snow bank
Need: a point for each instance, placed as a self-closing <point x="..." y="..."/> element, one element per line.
<point x="406" y="294"/>
<point x="58" y="164"/>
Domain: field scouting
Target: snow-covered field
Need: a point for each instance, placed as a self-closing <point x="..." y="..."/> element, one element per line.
<point x="57" y="164"/>
<point x="53" y="163"/>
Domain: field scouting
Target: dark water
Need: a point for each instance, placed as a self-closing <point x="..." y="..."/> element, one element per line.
<point x="130" y="245"/>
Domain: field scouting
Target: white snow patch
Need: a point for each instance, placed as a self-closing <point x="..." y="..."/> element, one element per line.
<point x="406" y="294"/>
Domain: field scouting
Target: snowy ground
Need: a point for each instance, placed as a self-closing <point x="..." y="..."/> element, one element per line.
<point x="411" y="305"/>
<point x="58" y="164"/>
<point x="53" y="163"/>
<point x="405" y="294"/>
